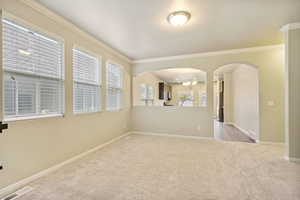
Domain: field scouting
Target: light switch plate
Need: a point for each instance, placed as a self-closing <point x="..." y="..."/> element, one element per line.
<point x="199" y="128"/>
<point x="271" y="103"/>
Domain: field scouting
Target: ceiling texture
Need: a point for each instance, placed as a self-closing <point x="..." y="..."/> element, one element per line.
<point x="139" y="29"/>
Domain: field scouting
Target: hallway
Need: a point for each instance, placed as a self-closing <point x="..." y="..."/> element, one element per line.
<point x="228" y="132"/>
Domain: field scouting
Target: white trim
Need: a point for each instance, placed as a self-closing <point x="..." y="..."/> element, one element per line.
<point x="29" y="25"/>
<point x="87" y="113"/>
<point x="244" y="131"/>
<point x="291" y="26"/>
<point x="296" y="160"/>
<point x="81" y="49"/>
<point x="252" y="134"/>
<point x="269" y="143"/>
<point x="59" y="19"/>
<point x="240" y="128"/>
<point x="19" y="193"/>
<point x="228" y="123"/>
<point x="207" y="54"/>
<point x="32" y="117"/>
<point x="13" y="187"/>
<point x="172" y="135"/>
<point x="112" y="62"/>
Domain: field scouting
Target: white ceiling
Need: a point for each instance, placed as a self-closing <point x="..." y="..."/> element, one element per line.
<point x="138" y="28"/>
<point x="179" y="75"/>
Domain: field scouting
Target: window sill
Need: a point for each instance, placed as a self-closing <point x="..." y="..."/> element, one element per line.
<point x="32" y="117"/>
<point x="87" y="113"/>
<point x="115" y="110"/>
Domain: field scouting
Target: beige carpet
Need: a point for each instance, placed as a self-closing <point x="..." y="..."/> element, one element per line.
<point x="162" y="168"/>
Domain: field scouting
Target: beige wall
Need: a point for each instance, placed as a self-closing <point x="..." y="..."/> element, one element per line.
<point x="30" y="146"/>
<point x="245" y="110"/>
<point x="292" y="97"/>
<point x="149" y="79"/>
<point x="172" y="120"/>
<point x="270" y="64"/>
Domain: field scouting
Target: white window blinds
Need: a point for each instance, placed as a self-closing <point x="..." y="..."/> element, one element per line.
<point x="146" y="92"/>
<point x="143" y="92"/>
<point x="114" y="79"/>
<point x="86" y="75"/>
<point x="33" y="72"/>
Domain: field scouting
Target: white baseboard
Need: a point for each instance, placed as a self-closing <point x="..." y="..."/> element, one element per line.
<point x="14" y="187"/>
<point x="243" y="131"/>
<point x="172" y="135"/>
<point x="273" y="143"/>
<point x="251" y="135"/>
<point x="228" y="123"/>
<point x="295" y="160"/>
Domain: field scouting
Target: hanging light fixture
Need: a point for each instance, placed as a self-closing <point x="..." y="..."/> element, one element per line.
<point x="179" y="18"/>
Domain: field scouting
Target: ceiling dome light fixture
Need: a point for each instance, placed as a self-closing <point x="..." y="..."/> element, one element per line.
<point x="179" y="18"/>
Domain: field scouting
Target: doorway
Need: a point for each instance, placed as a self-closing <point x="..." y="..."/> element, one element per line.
<point x="236" y="103"/>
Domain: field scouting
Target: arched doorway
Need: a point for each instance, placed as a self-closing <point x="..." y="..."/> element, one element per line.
<point x="236" y="103"/>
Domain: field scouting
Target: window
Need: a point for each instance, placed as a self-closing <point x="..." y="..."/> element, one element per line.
<point x="143" y="92"/>
<point x="146" y="92"/>
<point x="86" y="90"/>
<point x="114" y="77"/>
<point x="33" y="65"/>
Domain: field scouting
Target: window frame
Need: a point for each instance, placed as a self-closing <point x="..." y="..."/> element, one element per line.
<point x="99" y="85"/>
<point x="146" y="98"/>
<point x="44" y="33"/>
<point x="121" y="106"/>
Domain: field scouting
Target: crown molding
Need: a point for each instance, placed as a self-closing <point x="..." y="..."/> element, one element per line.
<point x="59" y="19"/>
<point x="291" y="26"/>
<point x="208" y="54"/>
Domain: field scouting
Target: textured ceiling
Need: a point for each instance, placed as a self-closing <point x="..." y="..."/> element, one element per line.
<point x="138" y="28"/>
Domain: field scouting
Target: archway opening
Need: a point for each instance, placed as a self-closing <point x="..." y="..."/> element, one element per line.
<point x="180" y="87"/>
<point x="236" y="103"/>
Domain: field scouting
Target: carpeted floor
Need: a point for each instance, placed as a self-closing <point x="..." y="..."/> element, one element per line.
<point x="162" y="168"/>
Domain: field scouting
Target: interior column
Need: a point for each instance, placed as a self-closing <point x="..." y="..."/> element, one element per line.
<point x="292" y="90"/>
